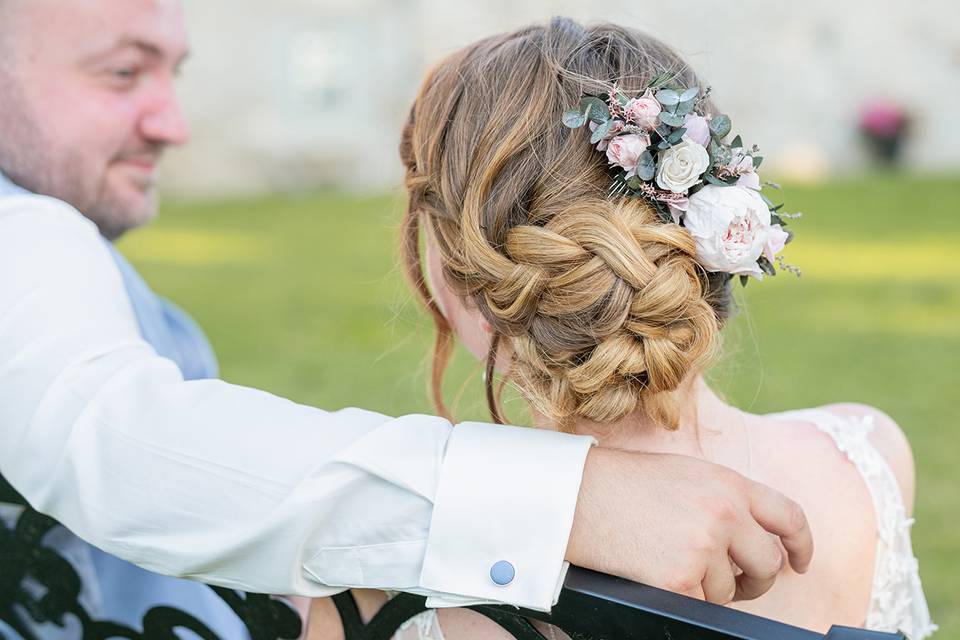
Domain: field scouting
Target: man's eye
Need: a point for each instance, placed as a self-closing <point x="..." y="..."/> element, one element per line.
<point x="123" y="76"/>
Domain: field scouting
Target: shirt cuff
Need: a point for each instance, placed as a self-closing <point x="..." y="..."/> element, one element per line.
<point x="506" y="497"/>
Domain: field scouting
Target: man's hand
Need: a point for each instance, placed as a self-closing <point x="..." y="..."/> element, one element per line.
<point x="686" y="525"/>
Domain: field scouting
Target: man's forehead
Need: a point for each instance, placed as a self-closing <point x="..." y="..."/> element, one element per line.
<point x="97" y="26"/>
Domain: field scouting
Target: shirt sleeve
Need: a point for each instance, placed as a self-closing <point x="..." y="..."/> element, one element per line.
<point x="240" y="488"/>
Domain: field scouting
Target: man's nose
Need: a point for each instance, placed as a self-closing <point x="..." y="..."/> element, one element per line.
<point x="164" y="122"/>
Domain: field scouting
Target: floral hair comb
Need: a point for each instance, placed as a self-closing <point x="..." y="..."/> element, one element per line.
<point x="663" y="147"/>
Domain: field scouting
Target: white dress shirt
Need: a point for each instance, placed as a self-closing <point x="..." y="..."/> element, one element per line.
<point x="240" y="488"/>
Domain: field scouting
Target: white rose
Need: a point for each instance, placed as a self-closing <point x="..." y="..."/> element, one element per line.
<point x="731" y="228"/>
<point x="680" y="166"/>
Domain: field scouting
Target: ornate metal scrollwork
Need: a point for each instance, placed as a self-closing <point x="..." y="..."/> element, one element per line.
<point x="37" y="585"/>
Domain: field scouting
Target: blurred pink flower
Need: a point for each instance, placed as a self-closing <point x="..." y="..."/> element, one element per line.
<point x="883" y="118"/>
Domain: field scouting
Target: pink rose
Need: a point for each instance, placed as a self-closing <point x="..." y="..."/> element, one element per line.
<point x="698" y="129"/>
<point x="749" y="180"/>
<point x="625" y="151"/>
<point x="742" y="165"/>
<point x="643" y="111"/>
<point x="776" y="241"/>
<point x="677" y="208"/>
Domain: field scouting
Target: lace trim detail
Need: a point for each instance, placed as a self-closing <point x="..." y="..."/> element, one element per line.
<point x="897" y="601"/>
<point x="425" y="624"/>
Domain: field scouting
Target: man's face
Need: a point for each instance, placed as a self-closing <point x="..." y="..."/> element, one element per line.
<point x="87" y="102"/>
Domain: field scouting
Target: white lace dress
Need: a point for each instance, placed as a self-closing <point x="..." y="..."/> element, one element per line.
<point x="897" y="601"/>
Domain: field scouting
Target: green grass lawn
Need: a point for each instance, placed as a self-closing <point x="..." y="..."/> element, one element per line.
<point x="302" y="296"/>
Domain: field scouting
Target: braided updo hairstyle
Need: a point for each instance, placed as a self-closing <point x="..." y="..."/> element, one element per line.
<point x="602" y="306"/>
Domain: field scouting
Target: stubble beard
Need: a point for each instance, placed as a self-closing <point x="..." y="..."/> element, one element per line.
<point x="35" y="163"/>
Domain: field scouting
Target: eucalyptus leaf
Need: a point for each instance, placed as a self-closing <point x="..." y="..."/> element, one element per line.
<point x="737" y="143"/>
<point x="663" y="145"/>
<point x="689" y="94"/>
<point x="720" y="125"/>
<point x="684" y="108"/>
<point x="714" y="180"/>
<point x="719" y="152"/>
<point x="713" y="148"/>
<point x="775" y="219"/>
<point x="622" y="100"/>
<point x="660" y="79"/>
<point x="574" y="119"/>
<point x="756" y="163"/>
<point x="668" y="97"/>
<point x="671" y="119"/>
<point x="646" y="166"/>
<point x="595" y="109"/>
<point x="601" y="131"/>
<point x="633" y="182"/>
<point x="663" y="130"/>
<point x="744" y="280"/>
<point x="677" y="135"/>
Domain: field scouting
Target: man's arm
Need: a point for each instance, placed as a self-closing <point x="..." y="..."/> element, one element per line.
<point x="237" y="487"/>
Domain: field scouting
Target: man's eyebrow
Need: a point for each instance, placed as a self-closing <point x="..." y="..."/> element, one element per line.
<point x="146" y="47"/>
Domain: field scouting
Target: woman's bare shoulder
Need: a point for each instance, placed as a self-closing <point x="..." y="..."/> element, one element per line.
<point x="796" y="434"/>
<point x="791" y="454"/>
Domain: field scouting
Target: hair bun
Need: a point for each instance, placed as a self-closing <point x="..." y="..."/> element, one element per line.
<point x="613" y="307"/>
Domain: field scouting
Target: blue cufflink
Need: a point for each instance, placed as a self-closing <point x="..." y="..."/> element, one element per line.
<point x="502" y="573"/>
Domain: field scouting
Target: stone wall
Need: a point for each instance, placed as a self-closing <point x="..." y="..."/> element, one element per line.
<point x="293" y="94"/>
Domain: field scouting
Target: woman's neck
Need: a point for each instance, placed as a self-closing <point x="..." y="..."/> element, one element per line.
<point x="709" y="428"/>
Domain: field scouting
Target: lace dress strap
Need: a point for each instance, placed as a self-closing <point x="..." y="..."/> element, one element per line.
<point x="897" y="601"/>
<point x="423" y="626"/>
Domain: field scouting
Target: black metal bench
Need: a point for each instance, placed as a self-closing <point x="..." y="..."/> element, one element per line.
<point x="595" y="606"/>
<point x="592" y="606"/>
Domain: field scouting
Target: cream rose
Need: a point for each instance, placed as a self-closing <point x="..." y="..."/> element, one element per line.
<point x="680" y="166"/>
<point x="625" y="151"/>
<point x="731" y="228"/>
